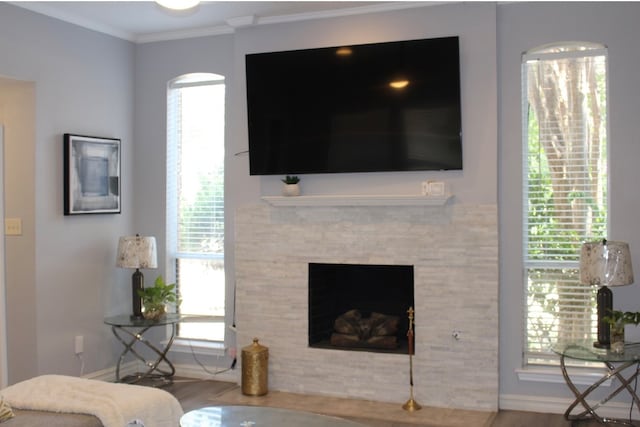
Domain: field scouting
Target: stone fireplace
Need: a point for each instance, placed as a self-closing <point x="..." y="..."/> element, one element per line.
<point x="453" y="252"/>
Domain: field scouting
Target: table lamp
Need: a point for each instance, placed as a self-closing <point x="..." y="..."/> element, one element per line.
<point x="605" y="263"/>
<point x="137" y="252"/>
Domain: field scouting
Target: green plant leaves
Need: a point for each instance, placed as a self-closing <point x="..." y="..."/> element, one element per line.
<point x="158" y="294"/>
<point x="622" y="318"/>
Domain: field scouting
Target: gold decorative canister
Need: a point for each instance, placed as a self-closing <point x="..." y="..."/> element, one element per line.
<point x="255" y="372"/>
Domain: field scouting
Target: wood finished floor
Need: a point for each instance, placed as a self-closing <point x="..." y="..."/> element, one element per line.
<point x="194" y="394"/>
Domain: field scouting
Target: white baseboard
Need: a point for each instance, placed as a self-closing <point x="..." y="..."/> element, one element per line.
<point x="513" y="402"/>
<point x="555" y="405"/>
<point x="182" y="370"/>
<point x="197" y="372"/>
<point x="109" y="374"/>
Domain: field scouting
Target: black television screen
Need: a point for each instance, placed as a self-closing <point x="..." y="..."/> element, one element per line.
<point x="363" y="108"/>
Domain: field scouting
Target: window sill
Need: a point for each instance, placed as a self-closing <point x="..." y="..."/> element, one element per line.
<point x="579" y="376"/>
<point x="181" y="345"/>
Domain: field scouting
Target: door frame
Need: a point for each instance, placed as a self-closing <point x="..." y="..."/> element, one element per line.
<point x="4" y="370"/>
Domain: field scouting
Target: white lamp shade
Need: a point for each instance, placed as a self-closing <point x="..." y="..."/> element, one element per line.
<point x="137" y="252"/>
<point x="606" y="263"/>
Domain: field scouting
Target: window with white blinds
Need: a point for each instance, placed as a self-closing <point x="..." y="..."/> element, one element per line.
<point x="565" y="189"/>
<point x="195" y="201"/>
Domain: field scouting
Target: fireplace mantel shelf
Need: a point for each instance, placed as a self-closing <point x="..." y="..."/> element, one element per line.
<point x="358" y="200"/>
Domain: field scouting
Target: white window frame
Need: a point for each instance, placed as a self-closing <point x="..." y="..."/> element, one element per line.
<point x="546" y="358"/>
<point x="181" y="343"/>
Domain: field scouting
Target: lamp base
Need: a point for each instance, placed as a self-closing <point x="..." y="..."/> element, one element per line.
<point x="137" y="282"/>
<point x="605" y="306"/>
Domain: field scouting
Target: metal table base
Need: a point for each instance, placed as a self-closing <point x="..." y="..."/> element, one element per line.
<point x="581" y="409"/>
<point x="130" y="332"/>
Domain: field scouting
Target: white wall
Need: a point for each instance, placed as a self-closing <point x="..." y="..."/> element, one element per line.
<point x="520" y="28"/>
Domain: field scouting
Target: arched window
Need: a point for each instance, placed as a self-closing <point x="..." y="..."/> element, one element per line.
<point x="195" y="200"/>
<point x="564" y="94"/>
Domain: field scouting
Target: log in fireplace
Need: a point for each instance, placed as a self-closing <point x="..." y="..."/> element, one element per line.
<point x="360" y="306"/>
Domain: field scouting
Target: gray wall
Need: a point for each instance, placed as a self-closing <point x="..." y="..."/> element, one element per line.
<point x="474" y="23"/>
<point x="89" y="83"/>
<point x="17" y="111"/>
<point x="156" y="65"/>
<point x="61" y="275"/>
<point x="522" y="27"/>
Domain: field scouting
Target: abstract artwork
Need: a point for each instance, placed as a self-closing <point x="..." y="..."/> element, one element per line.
<point x="91" y="175"/>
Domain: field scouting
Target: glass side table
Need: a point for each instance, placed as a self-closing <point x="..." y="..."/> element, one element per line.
<point x="615" y="363"/>
<point x="130" y="331"/>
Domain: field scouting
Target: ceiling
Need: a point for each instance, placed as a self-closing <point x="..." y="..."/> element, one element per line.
<point x="145" y="21"/>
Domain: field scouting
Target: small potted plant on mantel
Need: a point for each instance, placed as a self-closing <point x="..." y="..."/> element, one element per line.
<point x="155" y="299"/>
<point x="291" y="185"/>
<point x="617" y="321"/>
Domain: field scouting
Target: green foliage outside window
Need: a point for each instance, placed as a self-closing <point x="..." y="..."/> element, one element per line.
<point x="202" y="234"/>
<point x="565" y="187"/>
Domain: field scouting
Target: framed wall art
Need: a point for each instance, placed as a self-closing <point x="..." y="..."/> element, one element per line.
<point x="91" y="175"/>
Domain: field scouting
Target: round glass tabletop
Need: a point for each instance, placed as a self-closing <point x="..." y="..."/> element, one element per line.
<point x="259" y="416"/>
<point x="584" y="350"/>
<point x="128" y="320"/>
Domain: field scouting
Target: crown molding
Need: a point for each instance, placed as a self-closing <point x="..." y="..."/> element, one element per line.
<point x="44" y="9"/>
<point x="336" y="13"/>
<point x="183" y="34"/>
<point x="232" y="23"/>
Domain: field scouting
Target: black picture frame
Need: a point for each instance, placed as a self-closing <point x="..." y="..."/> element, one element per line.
<point x="91" y="175"/>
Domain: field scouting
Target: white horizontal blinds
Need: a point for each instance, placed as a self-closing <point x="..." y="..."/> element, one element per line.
<point x="201" y="171"/>
<point x="565" y="182"/>
<point x="196" y="161"/>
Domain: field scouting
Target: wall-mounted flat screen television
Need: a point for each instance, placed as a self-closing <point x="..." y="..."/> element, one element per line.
<point x="359" y="108"/>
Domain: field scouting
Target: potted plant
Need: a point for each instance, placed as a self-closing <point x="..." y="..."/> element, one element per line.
<point x="617" y="321"/>
<point x="155" y="298"/>
<point x="291" y="185"/>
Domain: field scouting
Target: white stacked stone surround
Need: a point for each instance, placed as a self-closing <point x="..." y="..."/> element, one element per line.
<point x="454" y="251"/>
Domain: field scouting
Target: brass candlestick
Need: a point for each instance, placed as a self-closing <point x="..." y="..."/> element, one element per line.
<point x="411" y="404"/>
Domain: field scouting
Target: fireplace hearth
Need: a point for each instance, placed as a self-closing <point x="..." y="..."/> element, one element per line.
<point x="360" y="307"/>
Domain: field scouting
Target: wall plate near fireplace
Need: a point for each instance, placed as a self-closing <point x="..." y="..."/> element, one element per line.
<point x="435" y="188"/>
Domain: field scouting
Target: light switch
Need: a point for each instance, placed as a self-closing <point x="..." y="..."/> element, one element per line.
<point x="13" y="226"/>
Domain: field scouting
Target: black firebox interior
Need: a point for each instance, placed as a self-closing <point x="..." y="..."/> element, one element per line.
<point x="335" y="289"/>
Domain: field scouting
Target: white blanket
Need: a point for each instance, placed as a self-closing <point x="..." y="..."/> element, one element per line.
<point x="116" y="405"/>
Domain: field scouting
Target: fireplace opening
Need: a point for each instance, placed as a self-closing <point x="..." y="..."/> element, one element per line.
<point x="360" y="307"/>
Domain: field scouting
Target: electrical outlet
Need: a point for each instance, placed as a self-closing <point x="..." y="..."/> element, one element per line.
<point x="13" y="226"/>
<point x="79" y="344"/>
